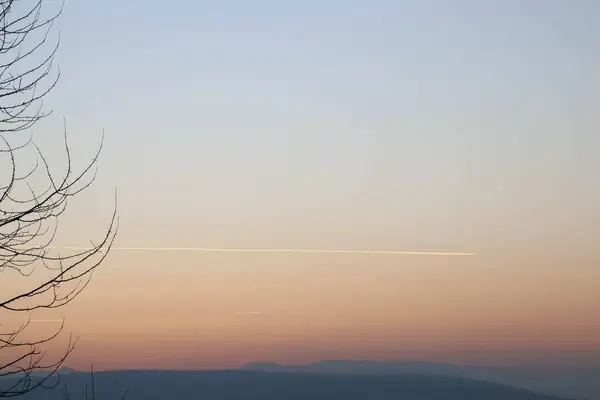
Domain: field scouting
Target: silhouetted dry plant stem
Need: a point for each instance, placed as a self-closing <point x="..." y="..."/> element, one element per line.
<point x="89" y="395"/>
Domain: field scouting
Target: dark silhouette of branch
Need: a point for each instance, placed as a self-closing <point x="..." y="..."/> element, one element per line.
<point x="20" y="81"/>
<point x="30" y="210"/>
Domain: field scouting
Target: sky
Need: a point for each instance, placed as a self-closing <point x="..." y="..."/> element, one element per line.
<point x="458" y="126"/>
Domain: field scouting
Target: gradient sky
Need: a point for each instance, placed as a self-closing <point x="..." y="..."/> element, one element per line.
<point x="385" y="125"/>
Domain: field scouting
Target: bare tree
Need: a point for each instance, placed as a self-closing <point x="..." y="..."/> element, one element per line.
<point x="29" y="212"/>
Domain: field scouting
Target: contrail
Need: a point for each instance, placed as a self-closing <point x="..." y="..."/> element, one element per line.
<point x="234" y="250"/>
<point x="250" y="312"/>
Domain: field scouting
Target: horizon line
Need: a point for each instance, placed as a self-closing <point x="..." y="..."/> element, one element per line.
<point x="250" y="250"/>
<point x="434" y="360"/>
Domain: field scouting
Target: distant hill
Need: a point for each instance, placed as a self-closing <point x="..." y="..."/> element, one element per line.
<point x="42" y="373"/>
<point x="363" y="367"/>
<point x="67" y="370"/>
<point x="230" y="385"/>
<point x="569" y="382"/>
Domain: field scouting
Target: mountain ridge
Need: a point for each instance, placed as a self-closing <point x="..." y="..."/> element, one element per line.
<point x="574" y="382"/>
<point x="243" y="384"/>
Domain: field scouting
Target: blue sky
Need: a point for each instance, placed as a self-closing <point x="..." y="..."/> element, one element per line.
<point x="383" y="113"/>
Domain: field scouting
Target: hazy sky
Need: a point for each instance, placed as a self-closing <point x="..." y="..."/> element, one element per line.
<point x="386" y="125"/>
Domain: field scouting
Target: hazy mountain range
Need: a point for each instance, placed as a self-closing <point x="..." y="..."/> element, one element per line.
<point x="237" y="384"/>
<point x="583" y="382"/>
<point x="337" y="379"/>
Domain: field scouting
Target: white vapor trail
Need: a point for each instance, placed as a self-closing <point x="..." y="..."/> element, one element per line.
<point x="229" y="250"/>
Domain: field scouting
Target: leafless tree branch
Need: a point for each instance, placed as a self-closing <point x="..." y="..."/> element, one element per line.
<point x="29" y="214"/>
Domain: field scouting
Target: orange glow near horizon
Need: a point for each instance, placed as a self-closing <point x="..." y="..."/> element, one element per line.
<point x="182" y="310"/>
